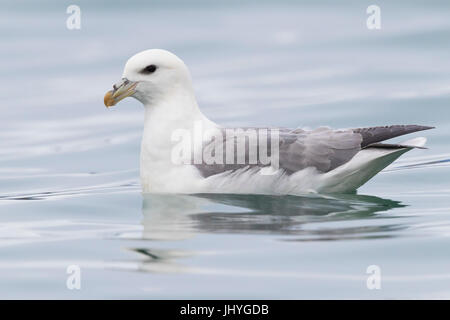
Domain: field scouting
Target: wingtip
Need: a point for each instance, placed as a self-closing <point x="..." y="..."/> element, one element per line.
<point x="371" y="135"/>
<point x="420" y="127"/>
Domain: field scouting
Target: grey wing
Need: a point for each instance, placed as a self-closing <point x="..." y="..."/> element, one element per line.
<point x="323" y="149"/>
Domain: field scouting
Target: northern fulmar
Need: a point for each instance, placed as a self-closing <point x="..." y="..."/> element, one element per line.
<point x="182" y="151"/>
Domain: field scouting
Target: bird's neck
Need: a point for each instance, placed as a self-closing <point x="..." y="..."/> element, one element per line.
<point x="166" y="121"/>
<point x="179" y="111"/>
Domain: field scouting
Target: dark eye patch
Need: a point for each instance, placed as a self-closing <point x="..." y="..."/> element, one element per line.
<point x="149" y="69"/>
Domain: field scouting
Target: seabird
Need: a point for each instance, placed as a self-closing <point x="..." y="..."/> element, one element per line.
<point x="182" y="151"/>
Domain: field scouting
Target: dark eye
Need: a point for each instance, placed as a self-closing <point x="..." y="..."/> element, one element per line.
<point x="149" y="69"/>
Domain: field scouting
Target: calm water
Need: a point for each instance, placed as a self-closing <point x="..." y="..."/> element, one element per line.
<point x="69" y="187"/>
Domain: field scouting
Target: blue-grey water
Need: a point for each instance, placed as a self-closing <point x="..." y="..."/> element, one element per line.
<point x="69" y="168"/>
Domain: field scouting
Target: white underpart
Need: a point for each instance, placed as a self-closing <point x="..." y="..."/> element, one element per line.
<point x="159" y="174"/>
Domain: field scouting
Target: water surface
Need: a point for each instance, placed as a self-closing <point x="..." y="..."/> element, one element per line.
<point x="69" y="178"/>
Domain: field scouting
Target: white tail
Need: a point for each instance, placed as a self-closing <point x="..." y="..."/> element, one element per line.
<point x="364" y="165"/>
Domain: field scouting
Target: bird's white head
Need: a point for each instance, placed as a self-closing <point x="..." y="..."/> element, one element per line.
<point x="151" y="76"/>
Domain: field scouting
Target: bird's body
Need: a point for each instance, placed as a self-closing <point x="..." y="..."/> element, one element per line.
<point x="184" y="152"/>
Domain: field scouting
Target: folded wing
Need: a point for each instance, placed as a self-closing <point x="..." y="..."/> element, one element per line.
<point x="324" y="149"/>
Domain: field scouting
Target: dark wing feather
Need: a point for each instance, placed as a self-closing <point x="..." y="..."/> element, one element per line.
<point x="377" y="134"/>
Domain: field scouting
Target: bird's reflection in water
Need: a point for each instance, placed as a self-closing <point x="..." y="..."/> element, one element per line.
<point x="181" y="217"/>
